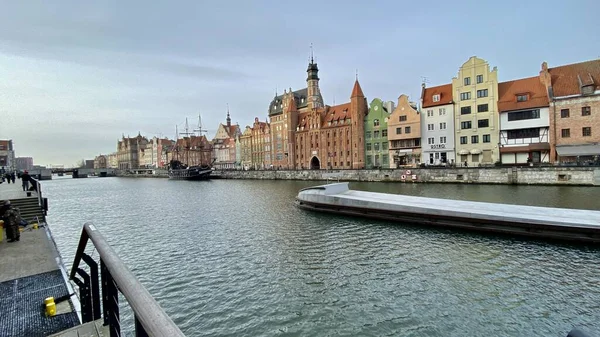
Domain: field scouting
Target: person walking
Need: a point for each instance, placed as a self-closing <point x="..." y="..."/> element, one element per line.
<point x="13" y="177"/>
<point x="12" y="218"/>
<point x="25" y="177"/>
<point x="7" y="176"/>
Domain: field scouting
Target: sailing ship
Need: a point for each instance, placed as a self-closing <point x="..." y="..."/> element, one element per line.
<point x="191" y="155"/>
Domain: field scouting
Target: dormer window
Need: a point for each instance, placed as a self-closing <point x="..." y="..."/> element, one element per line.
<point x="522" y="97"/>
<point x="436" y="98"/>
<point x="587" y="89"/>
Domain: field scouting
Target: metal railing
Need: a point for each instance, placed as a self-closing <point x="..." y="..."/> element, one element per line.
<point x="112" y="278"/>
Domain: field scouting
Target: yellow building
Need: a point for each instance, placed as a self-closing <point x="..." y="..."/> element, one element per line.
<point x="475" y="93"/>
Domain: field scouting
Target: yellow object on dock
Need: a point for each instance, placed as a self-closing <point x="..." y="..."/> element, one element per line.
<point x="50" y="306"/>
<point x="1" y="230"/>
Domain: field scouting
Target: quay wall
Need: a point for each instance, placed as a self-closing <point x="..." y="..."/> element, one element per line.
<point x="580" y="176"/>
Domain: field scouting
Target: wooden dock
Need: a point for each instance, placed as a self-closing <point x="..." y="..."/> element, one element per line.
<point x="544" y="222"/>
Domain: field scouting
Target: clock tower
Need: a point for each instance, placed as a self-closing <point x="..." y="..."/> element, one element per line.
<point x="314" y="94"/>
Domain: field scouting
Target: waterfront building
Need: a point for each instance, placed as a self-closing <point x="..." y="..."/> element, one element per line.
<point x="524" y="121"/>
<point x="376" y="134"/>
<point x="23" y="163"/>
<point x="475" y="94"/>
<point x="192" y="151"/>
<point x="404" y="134"/>
<point x="7" y="155"/>
<point x="112" y="160"/>
<point x="128" y="151"/>
<point x="100" y="162"/>
<point x="437" y="125"/>
<point x="261" y="145"/>
<point x="245" y="150"/>
<point x="224" y="145"/>
<point x="574" y="95"/>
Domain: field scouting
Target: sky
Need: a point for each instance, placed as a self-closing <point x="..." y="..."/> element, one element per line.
<point x="75" y="76"/>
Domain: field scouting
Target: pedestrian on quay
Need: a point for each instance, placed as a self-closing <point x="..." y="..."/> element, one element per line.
<point x="11" y="218"/>
<point x="13" y="177"/>
<point x="7" y="176"/>
<point x="25" y="177"/>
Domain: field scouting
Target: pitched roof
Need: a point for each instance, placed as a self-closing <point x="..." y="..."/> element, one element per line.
<point x="531" y="86"/>
<point x="357" y="90"/>
<point x="445" y="92"/>
<point x="300" y="96"/>
<point x="337" y="113"/>
<point x="567" y="79"/>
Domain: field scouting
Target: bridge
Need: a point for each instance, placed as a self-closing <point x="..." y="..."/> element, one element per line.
<point x="76" y="172"/>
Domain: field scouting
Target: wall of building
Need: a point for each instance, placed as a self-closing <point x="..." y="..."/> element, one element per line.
<point x="438" y="123"/>
<point x="587" y="176"/>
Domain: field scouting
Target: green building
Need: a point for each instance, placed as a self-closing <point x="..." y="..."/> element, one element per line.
<point x="376" y="140"/>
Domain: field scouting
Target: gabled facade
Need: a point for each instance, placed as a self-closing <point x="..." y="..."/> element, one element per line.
<point x="475" y="95"/>
<point x="437" y="125"/>
<point x="574" y="95"/>
<point x="404" y="134"/>
<point x="129" y="150"/>
<point x="524" y="121"/>
<point x="261" y="145"/>
<point x="376" y="131"/>
<point x="246" y="148"/>
<point x="192" y="151"/>
<point x="224" y="148"/>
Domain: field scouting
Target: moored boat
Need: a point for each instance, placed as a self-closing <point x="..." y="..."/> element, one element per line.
<point x="179" y="171"/>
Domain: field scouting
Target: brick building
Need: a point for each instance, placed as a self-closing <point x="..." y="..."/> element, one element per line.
<point x="192" y="151"/>
<point x="574" y="94"/>
<point x="128" y="151"/>
<point x="261" y="145"/>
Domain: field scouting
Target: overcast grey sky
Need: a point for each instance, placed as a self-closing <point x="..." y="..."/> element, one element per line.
<point x="76" y="75"/>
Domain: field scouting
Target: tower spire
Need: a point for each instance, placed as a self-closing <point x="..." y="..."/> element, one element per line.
<point x="312" y="59"/>
<point x="228" y="117"/>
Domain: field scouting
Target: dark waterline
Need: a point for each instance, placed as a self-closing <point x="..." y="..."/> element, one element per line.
<point x="235" y="257"/>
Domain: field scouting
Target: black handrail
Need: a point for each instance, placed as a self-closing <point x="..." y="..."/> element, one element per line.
<point x="115" y="277"/>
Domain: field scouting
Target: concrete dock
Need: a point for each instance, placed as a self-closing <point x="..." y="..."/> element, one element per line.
<point x="544" y="222"/>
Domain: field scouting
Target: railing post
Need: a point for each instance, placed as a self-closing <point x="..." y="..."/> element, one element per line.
<point x="94" y="284"/>
<point x="85" y="294"/>
<point x="110" y="295"/>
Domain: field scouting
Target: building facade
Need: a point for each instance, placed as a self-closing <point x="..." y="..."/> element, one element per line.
<point x="128" y="150"/>
<point x="246" y="148"/>
<point x="376" y="134"/>
<point x="224" y="145"/>
<point x="574" y="95"/>
<point x="475" y="93"/>
<point x="113" y="161"/>
<point x="524" y="121"/>
<point x="261" y="145"/>
<point x="192" y="151"/>
<point x="100" y="162"/>
<point x="437" y="125"/>
<point x="404" y="134"/>
<point x="7" y="155"/>
<point x="23" y="163"/>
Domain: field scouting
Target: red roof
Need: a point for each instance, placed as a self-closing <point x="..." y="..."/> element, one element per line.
<point x="338" y="112"/>
<point x="567" y="79"/>
<point x="445" y="92"/>
<point x="357" y="91"/>
<point x="531" y="87"/>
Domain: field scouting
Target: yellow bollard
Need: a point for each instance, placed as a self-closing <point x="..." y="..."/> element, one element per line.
<point x="35" y="226"/>
<point x="48" y="300"/>
<point x="50" y="309"/>
<point x="1" y="230"/>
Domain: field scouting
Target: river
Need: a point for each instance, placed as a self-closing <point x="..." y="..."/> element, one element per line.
<point x="237" y="258"/>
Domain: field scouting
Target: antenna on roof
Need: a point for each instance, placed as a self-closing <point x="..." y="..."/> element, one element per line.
<point x="424" y="79"/>
<point x="311" y="54"/>
<point x="333" y="99"/>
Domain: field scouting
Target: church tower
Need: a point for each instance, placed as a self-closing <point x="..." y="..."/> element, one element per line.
<point x="358" y="111"/>
<point x="312" y="81"/>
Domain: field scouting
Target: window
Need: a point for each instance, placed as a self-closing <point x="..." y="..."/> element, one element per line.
<point x="465" y="125"/>
<point x="564" y="113"/>
<point x="368" y="146"/>
<point x="443" y="140"/>
<point x="436" y="98"/>
<point x="376" y="134"/>
<point x="384" y="145"/>
<point x="465" y="96"/>
<point x="483" y="123"/>
<point x="407" y="129"/>
<point x="430" y="140"/>
<point x="386" y="159"/>
<point x="463" y="140"/>
<point x="376" y="146"/>
<point x="523" y="133"/>
<point x="586" y="111"/>
<point x="442" y="111"/>
<point x="586" y="131"/>
<point x="429" y="113"/>
<point x="383" y="133"/>
<point x="403" y="118"/>
<point x="486" y="138"/>
<point x="475" y="158"/>
<point x="479" y="78"/>
<point x="465" y="110"/>
<point x="565" y="133"/>
<point x="398" y="131"/>
<point x="443" y="126"/>
<point x="376" y="122"/>
<point x="525" y="114"/>
<point x="522" y="98"/>
<point x="482" y="93"/>
<point x="429" y="127"/>
<point x="482" y="108"/>
<point x="474" y="139"/>
<point x="467" y="80"/>
<point x="368" y="135"/>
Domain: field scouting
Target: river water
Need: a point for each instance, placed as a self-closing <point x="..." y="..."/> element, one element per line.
<point x="237" y="258"/>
